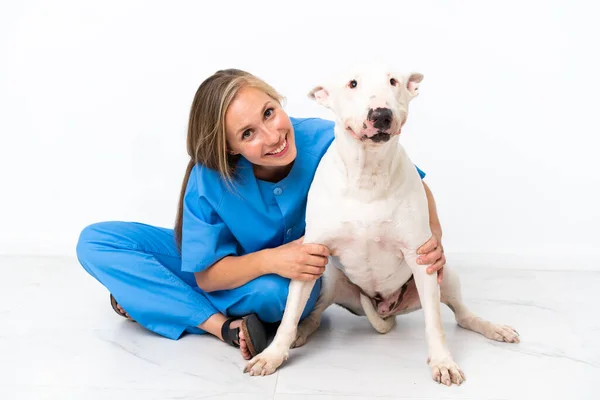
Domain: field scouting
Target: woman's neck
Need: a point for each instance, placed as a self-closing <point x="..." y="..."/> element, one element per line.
<point x="272" y="174"/>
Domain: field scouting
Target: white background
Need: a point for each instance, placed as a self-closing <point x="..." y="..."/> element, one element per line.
<point x="94" y="100"/>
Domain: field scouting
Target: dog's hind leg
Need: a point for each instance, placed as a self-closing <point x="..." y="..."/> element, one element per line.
<point x="348" y="296"/>
<point x="335" y="288"/>
<point x="450" y="291"/>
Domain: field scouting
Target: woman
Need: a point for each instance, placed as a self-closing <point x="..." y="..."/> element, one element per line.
<point x="237" y="241"/>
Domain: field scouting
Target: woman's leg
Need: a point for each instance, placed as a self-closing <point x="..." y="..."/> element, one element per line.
<point x="266" y="296"/>
<point x="140" y="265"/>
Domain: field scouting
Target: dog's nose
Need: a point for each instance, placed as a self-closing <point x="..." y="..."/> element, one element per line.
<point x="381" y="117"/>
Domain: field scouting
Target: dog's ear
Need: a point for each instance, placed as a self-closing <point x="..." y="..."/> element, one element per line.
<point x="412" y="82"/>
<point x="320" y="95"/>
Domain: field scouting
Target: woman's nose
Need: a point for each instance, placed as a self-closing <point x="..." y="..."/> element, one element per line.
<point x="271" y="136"/>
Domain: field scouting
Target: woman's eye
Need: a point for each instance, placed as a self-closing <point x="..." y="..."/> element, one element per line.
<point x="352" y="84"/>
<point x="246" y="134"/>
<point x="269" y="112"/>
<point x="393" y="82"/>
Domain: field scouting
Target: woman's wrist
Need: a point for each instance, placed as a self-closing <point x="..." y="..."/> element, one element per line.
<point x="436" y="229"/>
<point x="264" y="261"/>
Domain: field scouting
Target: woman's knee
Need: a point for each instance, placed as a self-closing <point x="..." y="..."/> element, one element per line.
<point x="122" y="235"/>
<point x="90" y="244"/>
<point x="98" y="242"/>
<point x="271" y="293"/>
<point x="96" y="237"/>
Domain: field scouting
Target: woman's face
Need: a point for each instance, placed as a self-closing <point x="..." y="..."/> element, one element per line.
<point x="258" y="129"/>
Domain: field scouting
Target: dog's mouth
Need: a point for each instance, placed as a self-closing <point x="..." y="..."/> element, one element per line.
<point x="379" y="137"/>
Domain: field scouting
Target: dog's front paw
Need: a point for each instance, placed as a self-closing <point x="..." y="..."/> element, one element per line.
<point x="445" y="370"/>
<point x="266" y="362"/>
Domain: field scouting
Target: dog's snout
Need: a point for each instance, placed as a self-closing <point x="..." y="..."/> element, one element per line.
<point x="381" y="117"/>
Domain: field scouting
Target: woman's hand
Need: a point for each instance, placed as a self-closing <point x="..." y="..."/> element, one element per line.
<point x="295" y="260"/>
<point x="432" y="252"/>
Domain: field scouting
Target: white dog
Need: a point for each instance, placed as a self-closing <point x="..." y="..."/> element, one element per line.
<point x="368" y="205"/>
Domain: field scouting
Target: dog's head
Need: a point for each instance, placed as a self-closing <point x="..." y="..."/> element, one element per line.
<point x="371" y="103"/>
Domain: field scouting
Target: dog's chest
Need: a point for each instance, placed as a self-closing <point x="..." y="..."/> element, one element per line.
<point x="367" y="245"/>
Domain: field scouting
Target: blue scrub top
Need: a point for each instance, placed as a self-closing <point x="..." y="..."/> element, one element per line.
<point x="257" y="214"/>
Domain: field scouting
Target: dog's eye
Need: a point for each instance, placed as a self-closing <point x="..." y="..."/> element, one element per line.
<point x="393" y="82"/>
<point x="352" y="84"/>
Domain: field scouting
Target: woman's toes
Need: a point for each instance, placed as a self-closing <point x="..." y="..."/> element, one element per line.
<point x="123" y="311"/>
<point x="244" y="347"/>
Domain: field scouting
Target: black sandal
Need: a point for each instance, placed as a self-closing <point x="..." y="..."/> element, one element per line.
<point x="114" y="303"/>
<point x="254" y="330"/>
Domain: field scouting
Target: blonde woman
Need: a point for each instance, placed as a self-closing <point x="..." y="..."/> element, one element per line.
<point x="225" y="267"/>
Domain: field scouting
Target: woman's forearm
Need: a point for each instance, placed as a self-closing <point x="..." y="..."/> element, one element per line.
<point x="434" y="221"/>
<point x="233" y="271"/>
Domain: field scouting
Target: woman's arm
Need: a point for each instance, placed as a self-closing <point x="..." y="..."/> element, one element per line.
<point x="293" y="260"/>
<point x="232" y="271"/>
<point x="432" y="252"/>
<point x="434" y="221"/>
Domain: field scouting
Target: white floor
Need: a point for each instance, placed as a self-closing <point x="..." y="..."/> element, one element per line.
<point x="60" y="339"/>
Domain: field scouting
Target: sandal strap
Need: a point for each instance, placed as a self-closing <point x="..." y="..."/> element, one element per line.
<point x="230" y="336"/>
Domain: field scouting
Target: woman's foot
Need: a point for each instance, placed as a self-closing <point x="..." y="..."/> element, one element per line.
<point x="123" y="312"/>
<point x="242" y="341"/>
<point x="118" y="309"/>
<point x="233" y="331"/>
<point x="248" y="333"/>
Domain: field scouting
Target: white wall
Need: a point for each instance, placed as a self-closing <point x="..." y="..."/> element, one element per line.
<point x="94" y="99"/>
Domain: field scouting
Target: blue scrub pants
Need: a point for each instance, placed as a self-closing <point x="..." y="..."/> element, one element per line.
<point x="141" y="266"/>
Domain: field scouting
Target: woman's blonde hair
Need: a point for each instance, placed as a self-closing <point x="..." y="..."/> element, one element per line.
<point x="206" y="136"/>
